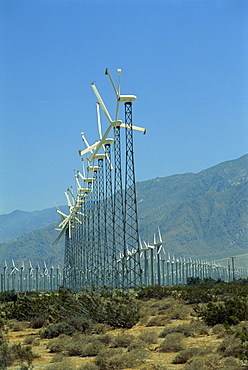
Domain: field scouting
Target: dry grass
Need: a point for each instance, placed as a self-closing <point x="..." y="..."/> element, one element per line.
<point x="175" y="342"/>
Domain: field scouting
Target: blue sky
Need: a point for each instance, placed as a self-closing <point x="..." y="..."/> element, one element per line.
<point x="186" y="61"/>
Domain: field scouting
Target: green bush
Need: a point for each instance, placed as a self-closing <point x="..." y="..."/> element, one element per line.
<point x="158" y="321"/>
<point x="195" y="294"/>
<point x="115" y="358"/>
<point x="38" y="322"/>
<point x="69" y="327"/>
<point x="59" y="344"/>
<point x="231" y="312"/>
<point x="236" y="344"/>
<point x="191" y="329"/>
<point x="212" y="361"/>
<point x="154" y="291"/>
<point x="8" y="296"/>
<point x="172" y="343"/>
<point x="148" y="337"/>
<point x="122" y="340"/>
<point x="185" y="355"/>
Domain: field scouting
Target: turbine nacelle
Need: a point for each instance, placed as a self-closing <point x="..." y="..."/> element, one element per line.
<point x="126" y="98"/>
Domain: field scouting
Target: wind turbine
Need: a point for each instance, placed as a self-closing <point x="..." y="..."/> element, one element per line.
<point x="151" y="247"/>
<point x="21" y="275"/>
<point x="68" y="220"/>
<point x="30" y="275"/>
<point x="158" y="245"/>
<point x="113" y="123"/>
<point x="144" y="251"/>
<point x="13" y="273"/>
<point x="5" y="268"/>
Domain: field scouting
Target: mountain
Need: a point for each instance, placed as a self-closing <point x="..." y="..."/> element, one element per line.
<point x="17" y="223"/>
<point x="36" y="246"/>
<point x="198" y="214"/>
<point x="202" y="214"/>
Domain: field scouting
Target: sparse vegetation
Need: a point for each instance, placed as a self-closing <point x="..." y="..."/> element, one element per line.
<point x="84" y="326"/>
<point x="172" y="343"/>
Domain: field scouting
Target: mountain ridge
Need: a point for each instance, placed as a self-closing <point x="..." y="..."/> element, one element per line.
<point x="202" y="213"/>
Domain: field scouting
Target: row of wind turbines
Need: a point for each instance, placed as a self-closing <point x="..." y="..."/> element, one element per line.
<point x="23" y="278"/>
<point x="102" y="244"/>
<point x="157" y="266"/>
<point x="102" y="223"/>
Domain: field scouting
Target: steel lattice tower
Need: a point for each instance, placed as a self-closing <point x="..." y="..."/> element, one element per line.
<point x="118" y="211"/>
<point x="131" y="234"/>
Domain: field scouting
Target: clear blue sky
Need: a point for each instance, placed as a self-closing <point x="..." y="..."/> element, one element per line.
<point x="185" y="60"/>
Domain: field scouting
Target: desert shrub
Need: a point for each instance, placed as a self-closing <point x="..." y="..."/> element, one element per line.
<point x="59" y="344"/>
<point x="29" y="340"/>
<point x="100" y="328"/>
<point x="114" y="358"/>
<point x="38" y="322"/>
<point x="88" y="366"/>
<point x="36" y="341"/>
<point x="65" y="364"/>
<point x="143" y="320"/>
<point x="8" y="296"/>
<point x="148" y="337"/>
<point x="122" y="340"/>
<point x="5" y="356"/>
<point x="219" y="330"/>
<point x="22" y="353"/>
<point x="53" y="331"/>
<point x="154" y="291"/>
<point x="58" y="357"/>
<point x="195" y="294"/>
<point x="242" y="335"/>
<point x="93" y="348"/>
<point x="185" y="355"/>
<point x="157" y="366"/>
<point x="117" y="311"/>
<point x="105" y="338"/>
<point x="75" y="348"/>
<point x="232" y="311"/>
<point x="212" y="361"/>
<point x="148" y="311"/>
<point x="136" y="344"/>
<point x="193" y="280"/>
<point x="178" y="311"/>
<point x="191" y="329"/>
<point x="172" y="343"/>
<point x="158" y="321"/>
<point x="16" y="325"/>
<point x="165" y="304"/>
<point x="236" y="344"/>
<point x="68" y="327"/>
<point x="230" y="346"/>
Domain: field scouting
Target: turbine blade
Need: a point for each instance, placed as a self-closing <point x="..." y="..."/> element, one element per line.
<point x="136" y="128"/>
<point x="159" y="234"/>
<point x="101" y="102"/>
<point x="89" y="149"/>
<point x="112" y="82"/>
<point x="99" y="120"/>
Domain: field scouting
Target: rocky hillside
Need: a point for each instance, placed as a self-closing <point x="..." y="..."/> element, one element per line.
<point x="203" y="214"/>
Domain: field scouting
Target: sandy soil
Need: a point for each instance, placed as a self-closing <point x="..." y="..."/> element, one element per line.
<point x="154" y="355"/>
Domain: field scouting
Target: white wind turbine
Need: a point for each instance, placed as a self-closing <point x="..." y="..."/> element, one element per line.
<point x="151" y="247"/>
<point x="5" y="268"/>
<point x="143" y="250"/>
<point x="113" y="123"/>
<point x="30" y="275"/>
<point x="68" y="220"/>
<point x="21" y="276"/>
<point x="13" y="273"/>
<point x="158" y="244"/>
